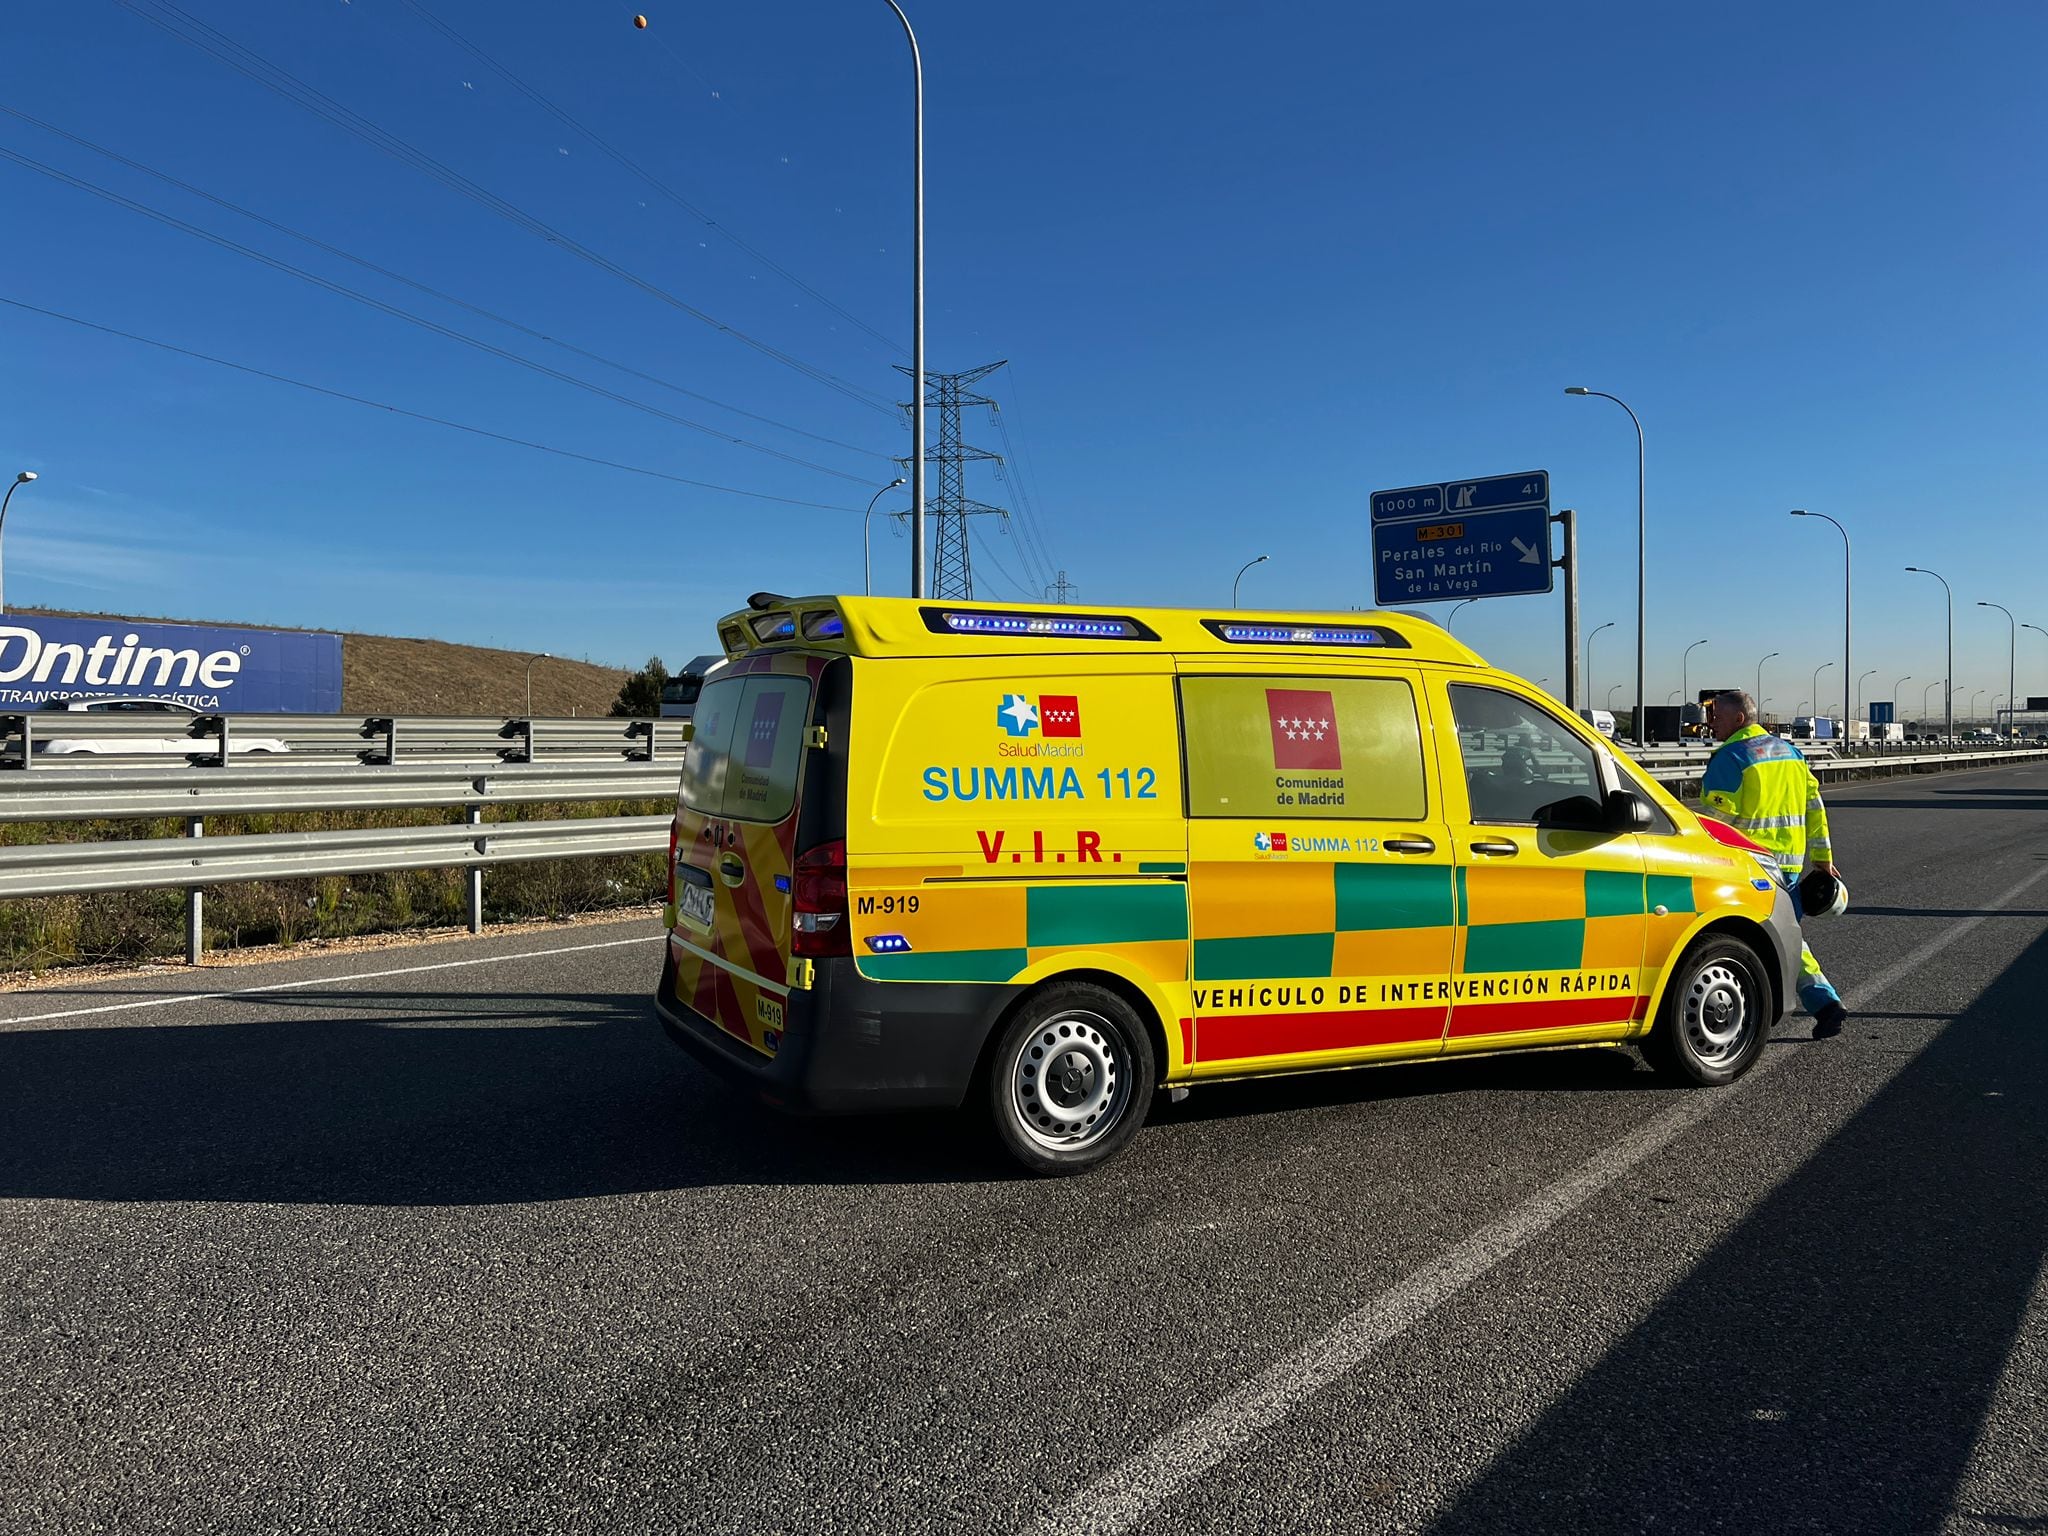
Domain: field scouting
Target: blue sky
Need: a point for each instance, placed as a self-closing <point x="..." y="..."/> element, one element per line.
<point x="1248" y="266"/>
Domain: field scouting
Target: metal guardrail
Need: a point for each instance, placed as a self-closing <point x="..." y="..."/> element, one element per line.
<point x="62" y="869"/>
<point x="1874" y="764"/>
<point x="331" y="764"/>
<point x="91" y="789"/>
<point x="25" y="738"/>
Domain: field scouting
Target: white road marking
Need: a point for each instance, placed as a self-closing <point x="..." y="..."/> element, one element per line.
<point x="321" y="981"/>
<point x="1127" y="1493"/>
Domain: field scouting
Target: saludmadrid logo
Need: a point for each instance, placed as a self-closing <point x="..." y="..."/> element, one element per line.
<point x="26" y="655"/>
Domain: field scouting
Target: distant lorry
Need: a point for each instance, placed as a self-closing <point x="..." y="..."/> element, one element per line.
<point x="1816" y="728"/>
<point x="1601" y="720"/>
<point x="679" y="693"/>
<point x="1666" y="722"/>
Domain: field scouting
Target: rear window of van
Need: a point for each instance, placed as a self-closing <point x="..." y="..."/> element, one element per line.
<point x="747" y="749"/>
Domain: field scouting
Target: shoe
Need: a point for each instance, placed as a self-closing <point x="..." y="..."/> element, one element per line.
<point x="1829" y="1021"/>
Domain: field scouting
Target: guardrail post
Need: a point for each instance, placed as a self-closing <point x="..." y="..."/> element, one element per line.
<point x="476" y="877"/>
<point x="195" y="903"/>
<point x="641" y="728"/>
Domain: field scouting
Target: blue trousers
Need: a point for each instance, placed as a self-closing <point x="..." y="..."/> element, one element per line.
<point x="1815" y="990"/>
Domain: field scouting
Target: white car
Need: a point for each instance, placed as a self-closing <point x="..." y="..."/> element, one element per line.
<point x="179" y="745"/>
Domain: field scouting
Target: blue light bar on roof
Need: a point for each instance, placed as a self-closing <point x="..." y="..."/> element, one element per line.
<point x="824" y="626"/>
<point x="1061" y="626"/>
<point x="1303" y="634"/>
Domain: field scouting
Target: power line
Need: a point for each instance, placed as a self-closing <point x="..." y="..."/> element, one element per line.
<point x="399" y="410"/>
<point x="625" y="161"/>
<point x="217" y="45"/>
<point x="431" y="292"/>
<point x="371" y="302"/>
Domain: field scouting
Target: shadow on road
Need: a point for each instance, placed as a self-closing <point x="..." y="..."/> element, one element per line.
<point x="1593" y="1069"/>
<point x="1829" y="1365"/>
<point x="417" y="1099"/>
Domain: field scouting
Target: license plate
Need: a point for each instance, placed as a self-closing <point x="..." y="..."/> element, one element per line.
<point x="695" y="905"/>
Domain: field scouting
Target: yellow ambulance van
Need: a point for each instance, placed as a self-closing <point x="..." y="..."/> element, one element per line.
<point x="1047" y="862"/>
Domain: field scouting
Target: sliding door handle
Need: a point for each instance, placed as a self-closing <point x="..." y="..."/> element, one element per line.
<point x="1409" y="845"/>
<point x="1499" y="849"/>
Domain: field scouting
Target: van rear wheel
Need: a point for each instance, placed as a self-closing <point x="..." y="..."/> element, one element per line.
<point x="1715" y="1016"/>
<point x="1071" y="1078"/>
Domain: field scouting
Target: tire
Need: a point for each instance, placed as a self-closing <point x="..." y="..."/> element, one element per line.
<point x="1715" y="1016"/>
<point x="1070" y="1078"/>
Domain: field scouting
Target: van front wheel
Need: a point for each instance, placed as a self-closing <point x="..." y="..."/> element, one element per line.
<point x="1715" y="1016"/>
<point x="1071" y="1078"/>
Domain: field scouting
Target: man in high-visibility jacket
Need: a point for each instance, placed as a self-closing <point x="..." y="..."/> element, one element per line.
<point x="1762" y="787"/>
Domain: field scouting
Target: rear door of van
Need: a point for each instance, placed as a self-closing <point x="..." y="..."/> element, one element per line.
<point x="740" y="819"/>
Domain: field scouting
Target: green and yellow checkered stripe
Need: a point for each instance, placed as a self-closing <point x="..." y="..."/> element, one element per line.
<point x="1258" y="922"/>
<point x="990" y="932"/>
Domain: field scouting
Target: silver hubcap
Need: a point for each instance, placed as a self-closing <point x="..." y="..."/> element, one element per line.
<point x="1067" y="1081"/>
<point x="1718" y="1015"/>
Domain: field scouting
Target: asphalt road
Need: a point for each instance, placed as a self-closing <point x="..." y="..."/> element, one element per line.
<point x="452" y="1239"/>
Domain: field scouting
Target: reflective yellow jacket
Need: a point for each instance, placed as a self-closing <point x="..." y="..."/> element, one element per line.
<point x="1763" y="787"/>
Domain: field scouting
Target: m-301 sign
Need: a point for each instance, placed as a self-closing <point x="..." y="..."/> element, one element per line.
<point x="1465" y="538"/>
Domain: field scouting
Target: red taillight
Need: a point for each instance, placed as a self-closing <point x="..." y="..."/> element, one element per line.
<point x="818" y="903"/>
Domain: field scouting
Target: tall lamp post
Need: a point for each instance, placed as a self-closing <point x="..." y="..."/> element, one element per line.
<point x="2043" y="633"/>
<point x="2012" y="650"/>
<point x="1588" y="678"/>
<point x="1816" y="687"/>
<point x="1454" y="609"/>
<point x="1580" y="389"/>
<point x="543" y="656"/>
<point x="1685" y="671"/>
<point x="1261" y="560"/>
<point x="1859" y="689"/>
<point x="867" y="585"/>
<point x="1845" y="614"/>
<point x="1975" y="695"/>
<point x="1924" y="692"/>
<point x="1759" y="694"/>
<point x="19" y="481"/>
<point x="917" y="571"/>
<point x="1948" y="692"/>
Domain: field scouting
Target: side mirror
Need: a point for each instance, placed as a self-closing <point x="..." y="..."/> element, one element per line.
<point x="1577" y="813"/>
<point x="1627" y="811"/>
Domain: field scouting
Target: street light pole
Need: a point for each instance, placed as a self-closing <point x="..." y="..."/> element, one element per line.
<point x="1845" y="617"/>
<point x="1948" y="692"/>
<point x="1454" y="609"/>
<point x="2012" y="649"/>
<point x="1816" y="687"/>
<point x="2043" y="633"/>
<point x="1975" y="695"/>
<point x="1859" y="689"/>
<point x="543" y="656"/>
<point x="866" y="578"/>
<point x="917" y="573"/>
<point x="1261" y="560"/>
<point x="19" y="481"/>
<point x="1685" y="671"/>
<point x="1759" y="694"/>
<point x="1923" y="698"/>
<point x="1641" y="612"/>
<point x="1587" y="681"/>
